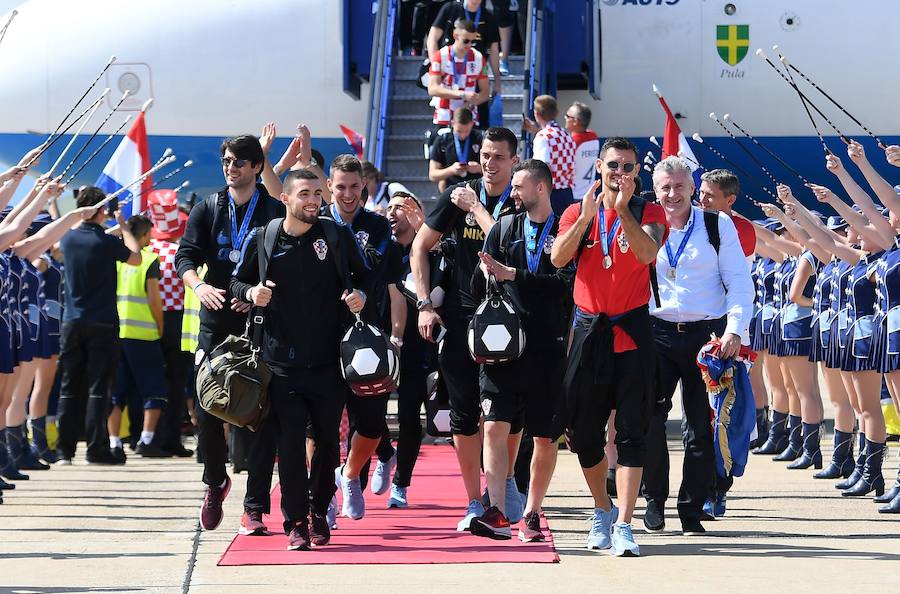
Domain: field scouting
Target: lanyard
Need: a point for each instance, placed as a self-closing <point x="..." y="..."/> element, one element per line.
<point x="237" y="237"/>
<point x="477" y="19"/>
<point x="606" y="242"/>
<point x="533" y="249"/>
<point x="337" y="216"/>
<point x="462" y="154"/>
<point x="673" y="261"/>
<point x="500" y="201"/>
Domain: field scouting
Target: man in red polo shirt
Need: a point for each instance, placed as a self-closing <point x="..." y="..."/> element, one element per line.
<point x="614" y="236"/>
<point x="719" y="189"/>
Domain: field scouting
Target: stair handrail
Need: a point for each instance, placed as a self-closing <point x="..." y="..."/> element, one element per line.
<point x="382" y="66"/>
<point x="532" y="79"/>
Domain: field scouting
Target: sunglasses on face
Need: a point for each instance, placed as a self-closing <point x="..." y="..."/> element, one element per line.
<point x="626" y="167"/>
<point x="228" y="162"/>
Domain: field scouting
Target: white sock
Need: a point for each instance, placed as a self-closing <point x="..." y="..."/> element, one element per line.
<point x="115" y="442"/>
<point x="146" y="437"/>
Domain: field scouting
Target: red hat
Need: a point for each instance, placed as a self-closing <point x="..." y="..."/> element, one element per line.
<point x="168" y="220"/>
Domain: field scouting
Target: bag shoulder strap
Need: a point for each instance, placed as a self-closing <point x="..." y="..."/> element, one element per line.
<point x="266" y="245"/>
<point x="711" y="220"/>
<point x="506" y="228"/>
<point x="333" y="241"/>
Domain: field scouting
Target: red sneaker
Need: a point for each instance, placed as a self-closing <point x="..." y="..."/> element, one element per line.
<point x="252" y="524"/>
<point x="493" y="524"/>
<point x="319" y="531"/>
<point x="530" y="528"/>
<point x="211" y="510"/>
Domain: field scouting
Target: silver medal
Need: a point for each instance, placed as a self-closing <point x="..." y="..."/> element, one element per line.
<point x="671" y="273"/>
<point x="234" y="256"/>
<point x="607" y="261"/>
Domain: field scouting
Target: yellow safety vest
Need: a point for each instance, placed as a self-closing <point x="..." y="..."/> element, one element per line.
<point x="190" y="322"/>
<point x="135" y="318"/>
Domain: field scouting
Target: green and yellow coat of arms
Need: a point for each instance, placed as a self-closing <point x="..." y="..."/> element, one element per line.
<point x="732" y="42"/>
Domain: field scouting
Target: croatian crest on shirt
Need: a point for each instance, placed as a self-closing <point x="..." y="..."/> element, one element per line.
<point x="362" y="238"/>
<point x="623" y="242"/>
<point x="321" y="248"/>
<point x="548" y="245"/>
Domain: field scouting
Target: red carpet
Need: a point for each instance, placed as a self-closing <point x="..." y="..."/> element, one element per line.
<point x="425" y="532"/>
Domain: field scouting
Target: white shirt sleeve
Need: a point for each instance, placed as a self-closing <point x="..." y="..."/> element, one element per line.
<point x="735" y="275"/>
<point x="541" y="148"/>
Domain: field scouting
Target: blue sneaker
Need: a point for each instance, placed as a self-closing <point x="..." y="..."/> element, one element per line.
<point x="504" y="67"/>
<point x="515" y="503"/>
<point x="398" y="497"/>
<point x="331" y="514"/>
<point x="623" y="544"/>
<point x="599" y="537"/>
<point x="354" y="502"/>
<point x="475" y="510"/>
<point x="708" y="509"/>
<point x="719" y="507"/>
<point x="381" y="478"/>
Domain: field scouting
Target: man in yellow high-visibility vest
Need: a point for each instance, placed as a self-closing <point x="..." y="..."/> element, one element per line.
<point x="140" y="379"/>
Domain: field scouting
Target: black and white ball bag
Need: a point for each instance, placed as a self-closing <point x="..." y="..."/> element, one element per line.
<point x="495" y="332"/>
<point x="369" y="362"/>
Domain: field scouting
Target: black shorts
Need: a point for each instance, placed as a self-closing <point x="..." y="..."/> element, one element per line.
<point x="460" y="375"/>
<point x="526" y="394"/>
<point x="141" y="372"/>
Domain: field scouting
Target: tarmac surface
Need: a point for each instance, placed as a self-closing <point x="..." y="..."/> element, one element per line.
<point x="135" y="529"/>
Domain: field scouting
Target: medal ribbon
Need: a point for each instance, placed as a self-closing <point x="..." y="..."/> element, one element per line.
<point x="607" y="239"/>
<point x="462" y="154"/>
<point x="532" y="250"/>
<point x="457" y="77"/>
<point x="500" y="201"/>
<point x="237" y="237"/>
<point x="673" y="261"/>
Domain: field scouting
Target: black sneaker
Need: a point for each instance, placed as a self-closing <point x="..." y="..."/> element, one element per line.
<point x="119" y="454"/>
<point x="180" y="451"/>
<point x="298" y="538"/>
<point x="4" y="486"/>
<point x="691" y="527"/>
<point x="654" y="516"/>
<point x="104" y="458"/>
<point x="148" y="450"/>
<point x="530" y="528"/>
<point x="319" y="531"/>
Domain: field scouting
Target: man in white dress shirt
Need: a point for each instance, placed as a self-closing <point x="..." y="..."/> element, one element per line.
<point x="702" y="290"/>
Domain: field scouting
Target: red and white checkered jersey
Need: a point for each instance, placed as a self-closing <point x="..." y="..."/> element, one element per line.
<point x="456" y="74"/>
<point x="554" y="146"/>
<point x="171" y="288"/>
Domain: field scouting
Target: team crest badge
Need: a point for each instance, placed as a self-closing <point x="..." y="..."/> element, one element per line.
<point x="362" y="238"/>
<point x="623" y="242"/>
<point x="732" y="42"/>
<point x="548" y="245"/>
<point x="321" y="248"/>
<point x="470" y="219"/>
<point x="486" y="406"/>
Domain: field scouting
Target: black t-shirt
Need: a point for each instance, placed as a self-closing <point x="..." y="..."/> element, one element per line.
<point x="90" y="274"/>
<point x="414" y="346"/>
<point x="543" y="298"/>
<point x="444" y="152"/>
<point x="468" y="239"/>
<point x="488" y="32"/>
<point x="306" y="318"/>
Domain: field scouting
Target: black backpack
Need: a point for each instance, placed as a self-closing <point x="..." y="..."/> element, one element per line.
<point x="495" y="333"/>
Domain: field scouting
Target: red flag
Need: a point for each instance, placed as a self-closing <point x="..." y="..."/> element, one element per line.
<point x="673" y="131"/>
<point x="354" y="139"/>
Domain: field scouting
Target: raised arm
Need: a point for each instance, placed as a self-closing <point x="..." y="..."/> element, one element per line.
<point x="882" y="234"/>
<point x="883" y="190"/>
<point x="32" y="247"/>
<point x="646" y="240"/>
<point x="565" y="247"/>
<point x="857" y="221"/>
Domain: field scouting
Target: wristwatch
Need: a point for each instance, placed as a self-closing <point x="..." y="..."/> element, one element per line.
<point x="423" y="303"/>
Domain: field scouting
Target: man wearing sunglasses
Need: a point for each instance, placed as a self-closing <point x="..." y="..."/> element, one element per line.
<point x="458" y="76"/>
<point x="213" y="237"/>
<point x="614" y="236"/>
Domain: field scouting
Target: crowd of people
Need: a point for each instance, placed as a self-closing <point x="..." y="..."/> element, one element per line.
<point x="616" y="292"/>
